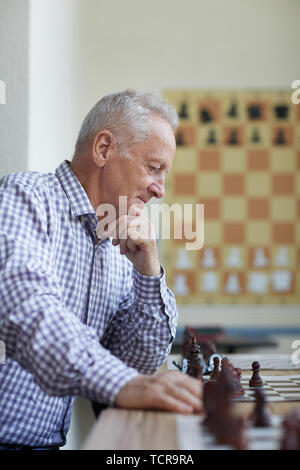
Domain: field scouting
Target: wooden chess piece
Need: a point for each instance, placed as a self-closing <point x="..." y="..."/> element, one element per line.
<point x="291" y="432"/>
<point x="196" y="367"/>
<point x="261" y="417"/>
<point x="225" y="362"/>
<point x="233" y="433"/>
<point x="197" y="370"/>
<point x="209" y="349"/>
<point x="194" y="347"/>
<point x="239" y="388"/>
<point x="216" y="370"/>
<point x="256" y="380"/>
<point x="209" y="402"/>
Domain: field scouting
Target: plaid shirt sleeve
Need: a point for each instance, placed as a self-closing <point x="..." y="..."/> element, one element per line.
<point x="41" y="334"/>
<point x="142" y="331"/>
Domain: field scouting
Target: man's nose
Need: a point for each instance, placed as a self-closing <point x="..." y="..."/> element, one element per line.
<point x="157" y="188"/>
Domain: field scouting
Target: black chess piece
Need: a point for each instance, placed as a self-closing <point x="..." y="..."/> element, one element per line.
<point x="280" y="138"/>
<point x="183" y="112"/>
<point x="205" y="116"/>
<point x="216" y="370"/>
<point x="254" y="112"/>
<point x="256" y="380"/>
<point x="197" y="369"/>
<point x="291" y="432"/>
<point x="209" y="402"/>
<point x="255" y="137"/>
<point x="281" y="111"/>
<point x="180" y="139"/>
<point x="225" y="362"/>
<point x="193" y="355"/>
<point x="261" y="417"/>
<point x="237" y="376"/>
<point x="212" y="140"/>
<point x="209" y="348"/>
<point x="232" y="112"/>
<point x="233" y="138"/>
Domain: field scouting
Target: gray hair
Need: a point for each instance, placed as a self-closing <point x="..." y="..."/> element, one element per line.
<point x="127" y="116"/>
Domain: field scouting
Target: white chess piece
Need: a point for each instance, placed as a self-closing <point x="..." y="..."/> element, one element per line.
<point x="281" y="258"/>
<point x="183" y="261"/>
<point x="257" y="282"/>
<point x="233" y="284"/>
<point x="209" y="260"/>
<point x="234" y="259"/>
<point x="209" y="282"/>
<point x="260" y="260"/>
<point x="180" y="286"/>
<point x="281" y="280"/>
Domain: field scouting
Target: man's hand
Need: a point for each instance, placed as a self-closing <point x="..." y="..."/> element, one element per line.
<point x="168" y="391"/>
<point x="136" y="236"/>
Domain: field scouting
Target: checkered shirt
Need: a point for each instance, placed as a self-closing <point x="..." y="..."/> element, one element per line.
<point x="76" y="317"/>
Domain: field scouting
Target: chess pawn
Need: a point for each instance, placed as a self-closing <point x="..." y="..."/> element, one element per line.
<point x="216" y="370"/>
<point x="256" y="380"/>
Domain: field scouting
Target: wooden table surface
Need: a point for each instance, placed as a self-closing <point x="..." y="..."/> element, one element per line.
<point x="120" y="429"/>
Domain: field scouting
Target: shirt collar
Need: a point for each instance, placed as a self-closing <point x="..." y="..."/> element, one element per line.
<point x="78" y="199"/>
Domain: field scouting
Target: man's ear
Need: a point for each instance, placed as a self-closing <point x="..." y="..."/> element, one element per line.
<point x="103" y="145"/>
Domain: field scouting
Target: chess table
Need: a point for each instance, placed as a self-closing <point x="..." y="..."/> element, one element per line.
<point x="121" y="429"/>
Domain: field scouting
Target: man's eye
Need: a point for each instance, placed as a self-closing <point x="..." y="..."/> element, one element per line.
<point x="154" y="169"/>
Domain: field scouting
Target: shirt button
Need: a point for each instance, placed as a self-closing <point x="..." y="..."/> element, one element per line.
<point x="93" y="291"/>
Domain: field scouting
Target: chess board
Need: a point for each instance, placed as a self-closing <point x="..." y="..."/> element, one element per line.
<point x="191" y="435"/>
<point x="276" y="388"/>
<point x="238" y="153"/>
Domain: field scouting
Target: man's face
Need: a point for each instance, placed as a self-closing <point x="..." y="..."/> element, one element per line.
<point x="140" y="175"/>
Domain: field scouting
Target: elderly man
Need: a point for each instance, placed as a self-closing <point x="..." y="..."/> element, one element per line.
<point x="83" y="315"/>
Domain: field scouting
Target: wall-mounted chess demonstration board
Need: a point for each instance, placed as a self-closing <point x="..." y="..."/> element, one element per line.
<point x="238" y="153"/>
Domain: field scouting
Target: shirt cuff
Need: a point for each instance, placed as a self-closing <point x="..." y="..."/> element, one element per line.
<point x="102" y="384"/>
<point x="154" y="299"/>
<point x="150" y="290"/>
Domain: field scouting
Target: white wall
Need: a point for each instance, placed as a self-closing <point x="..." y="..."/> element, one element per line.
<point x="14" y="15"/>
<point x="54" y="75"/>
<point x="81" y="50"/>
<point x="170" y="43"/>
